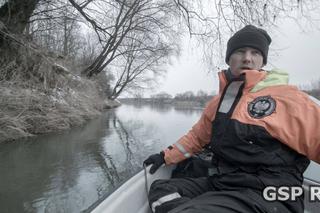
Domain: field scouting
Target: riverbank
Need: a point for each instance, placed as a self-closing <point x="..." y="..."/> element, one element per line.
<point x="51" y="100"/>
<point x="26" y="111"/>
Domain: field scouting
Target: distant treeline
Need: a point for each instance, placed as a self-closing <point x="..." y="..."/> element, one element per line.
<point x="186" y="99"/>
<point x="312" y="88"/>
<point x="190" y="98"/>
<point x="314" y="92"/>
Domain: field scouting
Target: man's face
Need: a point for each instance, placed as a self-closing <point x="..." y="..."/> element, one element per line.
<point x="246" y="58"/>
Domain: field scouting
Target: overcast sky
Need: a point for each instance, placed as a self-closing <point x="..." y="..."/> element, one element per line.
<point x="292" y="50"/>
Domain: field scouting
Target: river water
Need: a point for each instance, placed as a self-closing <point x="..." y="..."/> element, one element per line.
<point x="71" y="170"/>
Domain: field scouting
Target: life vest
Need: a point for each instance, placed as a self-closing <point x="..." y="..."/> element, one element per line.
<point x="260" y="100"/>
<point x="261" y="130"/>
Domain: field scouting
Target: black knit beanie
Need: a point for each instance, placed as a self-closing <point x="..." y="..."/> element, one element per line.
<point x="249" y="36"/>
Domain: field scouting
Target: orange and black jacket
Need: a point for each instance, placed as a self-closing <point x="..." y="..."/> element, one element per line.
<point x="260" y="127"/>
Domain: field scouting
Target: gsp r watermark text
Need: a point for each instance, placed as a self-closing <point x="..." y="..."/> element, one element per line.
<point x="285" y="193"/>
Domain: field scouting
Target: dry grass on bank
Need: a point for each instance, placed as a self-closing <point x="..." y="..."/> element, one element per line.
<point x="38" y="96"/>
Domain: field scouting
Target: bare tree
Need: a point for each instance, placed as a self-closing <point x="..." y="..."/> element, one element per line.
<point x="140" y="65"/>
<point x="186" y="96"/>
<point x="136" y="36"/>
<point x="54" y="26"/>
<point x="122" y="20"/>
<point x="161" y="97"/>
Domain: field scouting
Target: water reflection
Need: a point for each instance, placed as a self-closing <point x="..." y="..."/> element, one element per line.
<point x="72" y="170"/>
<point x="188" y="111"/>
<point x="45" y="174"/>
<point x="69" y="171"/>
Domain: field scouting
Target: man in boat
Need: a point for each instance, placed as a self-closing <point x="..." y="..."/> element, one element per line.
<point x="261" y="131"/>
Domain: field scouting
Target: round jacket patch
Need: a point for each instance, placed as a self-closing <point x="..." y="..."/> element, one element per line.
<point x="261" y="107"/>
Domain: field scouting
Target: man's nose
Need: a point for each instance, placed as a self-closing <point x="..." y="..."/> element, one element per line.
<point x="247" y="57"/>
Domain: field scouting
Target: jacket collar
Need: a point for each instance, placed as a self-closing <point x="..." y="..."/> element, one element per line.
<point x="252" y="77"/>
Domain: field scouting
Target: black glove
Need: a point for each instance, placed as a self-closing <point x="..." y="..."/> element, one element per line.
<point x="157" y="160"/>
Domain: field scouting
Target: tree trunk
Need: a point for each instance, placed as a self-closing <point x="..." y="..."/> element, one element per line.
<point x="15" y="14"/>
<point x="14" y="17"/>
